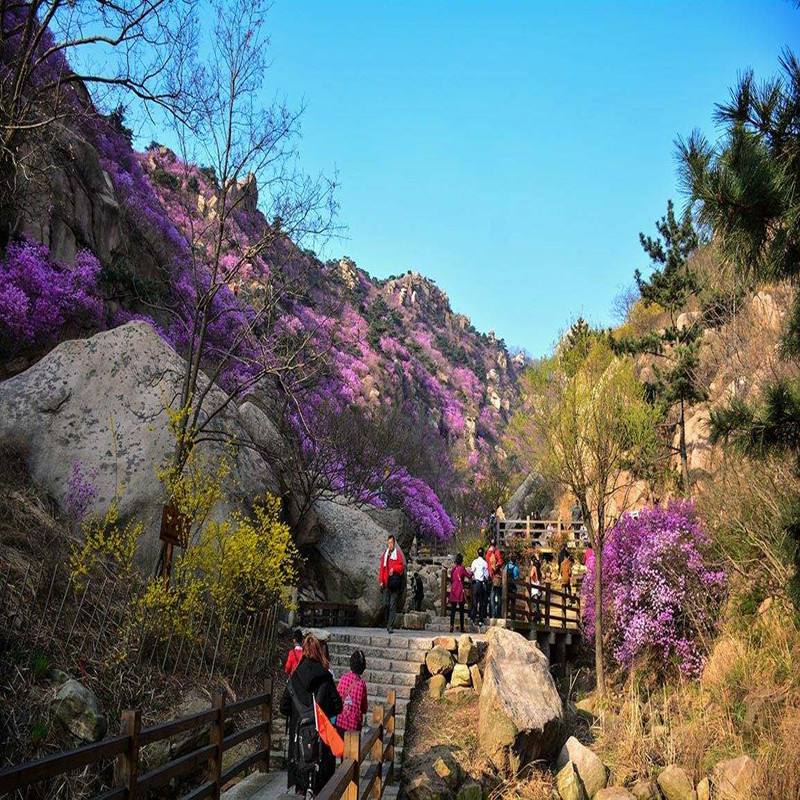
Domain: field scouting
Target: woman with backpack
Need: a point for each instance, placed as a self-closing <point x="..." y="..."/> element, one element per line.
<point x="310" y="762"/>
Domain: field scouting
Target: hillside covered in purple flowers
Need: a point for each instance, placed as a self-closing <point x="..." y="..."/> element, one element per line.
<point x="84" y="261"/>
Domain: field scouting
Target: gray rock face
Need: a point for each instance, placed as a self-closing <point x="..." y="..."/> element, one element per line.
<point x="79" y="207"/>
<point x="516" y="507"/>
<point x="79" y="711"/>
<point x="350" y="545"/>
<point x="103" y="401"/>
<point x="521" y="713"/>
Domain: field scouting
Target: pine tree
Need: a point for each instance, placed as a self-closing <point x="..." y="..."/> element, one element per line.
<point x="675" y="348"/>
<point x="747" y="188"/>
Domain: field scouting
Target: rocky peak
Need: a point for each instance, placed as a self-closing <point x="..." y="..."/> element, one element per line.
<point x="417" y="291"/>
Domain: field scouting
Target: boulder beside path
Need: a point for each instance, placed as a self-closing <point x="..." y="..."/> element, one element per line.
<point x="521" y="714"/>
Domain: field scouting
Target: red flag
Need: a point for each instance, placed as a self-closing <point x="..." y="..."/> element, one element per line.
<point x="327" y="732"/>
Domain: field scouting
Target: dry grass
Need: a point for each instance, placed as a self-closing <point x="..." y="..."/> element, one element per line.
<point x="439" y="723"/>
<point x="32" y="534"/>
<point x="442" y="723"/>
<point x="532" y="784"/>
<point x="748" y="702"/>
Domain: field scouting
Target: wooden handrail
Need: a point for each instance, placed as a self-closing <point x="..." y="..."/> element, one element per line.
<point x="125" y="748"/>
<point x="57" y="764"/>
<point x="163" y="730"/>
<point x="338" y="782"/>
<point x="378" y="746"/>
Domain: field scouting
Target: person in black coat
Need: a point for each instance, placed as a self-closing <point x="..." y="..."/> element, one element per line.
<point x="311" y="677"/>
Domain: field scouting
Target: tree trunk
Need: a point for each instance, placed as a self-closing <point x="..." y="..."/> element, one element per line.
<point x="682" y="446"/>
<point x="598" y="617"/>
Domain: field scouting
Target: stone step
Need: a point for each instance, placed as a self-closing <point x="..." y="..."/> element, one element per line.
<point x="341" y="661"/>
<point x="395" y="680"/>
<point x="416" y="655"/>
<point x="380" y="690"/>
<point x="394" y="642"/>
<point x="401" y="704"/>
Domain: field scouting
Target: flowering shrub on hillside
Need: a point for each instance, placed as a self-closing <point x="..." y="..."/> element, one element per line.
<point x="661" y="594"/>
<point x="38" y="297"/>
<point x="421" y="504"/>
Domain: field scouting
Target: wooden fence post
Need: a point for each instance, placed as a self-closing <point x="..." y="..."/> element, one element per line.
<point x="217" y="736"/>
<point x="127" y="767"/>
<point x="504" y="609"/>
<point x="377" y="752"/>
<point x="391" y="699"/>
<point x="547" y="606"/>
<point x="443" y="591"/>
<point x="352" y="749"/>
<point x="265" y="740"/>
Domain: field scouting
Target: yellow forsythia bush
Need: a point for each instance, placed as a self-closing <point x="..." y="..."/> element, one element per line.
<point x="106" y="546"/>
<point x="243" y="563"/>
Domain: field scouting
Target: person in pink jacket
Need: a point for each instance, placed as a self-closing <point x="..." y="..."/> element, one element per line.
<point x="458" y="594"/>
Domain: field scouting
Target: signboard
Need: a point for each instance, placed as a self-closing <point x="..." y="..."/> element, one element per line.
<point x="174" y="526"/>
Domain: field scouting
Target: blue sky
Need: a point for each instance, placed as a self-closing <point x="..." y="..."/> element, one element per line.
<point x="512" y="151"/>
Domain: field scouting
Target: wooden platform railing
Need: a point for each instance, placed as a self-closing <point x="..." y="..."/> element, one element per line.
<point x="129" y="783"/>
<point x="376" y="746"/>
<point x="538" y="532"/>
<point x="551" y="609"/>
<point x="540" y="605"/>
<point x="323" y="614"/>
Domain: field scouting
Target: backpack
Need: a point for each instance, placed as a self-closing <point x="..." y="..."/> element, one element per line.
<point x="305" y="745"/>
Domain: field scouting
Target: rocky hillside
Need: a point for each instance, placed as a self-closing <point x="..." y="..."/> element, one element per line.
<point x="110" y="229"/>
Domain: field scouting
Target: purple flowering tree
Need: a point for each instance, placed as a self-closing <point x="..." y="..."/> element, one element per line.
<point x="39" y="297"/>
<point x="661" y="590"/>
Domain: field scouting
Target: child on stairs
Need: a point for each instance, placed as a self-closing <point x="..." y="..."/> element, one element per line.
<point x="353" y="691"/>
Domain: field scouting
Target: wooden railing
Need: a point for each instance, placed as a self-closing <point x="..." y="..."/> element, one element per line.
<point x="540" y="605"/>
<point x="549" y="609"/>
<point x="543" y="533"/>
<point x="322" y="614"/>
<point x="129" y="783"/>
<point x="376" y="746"/>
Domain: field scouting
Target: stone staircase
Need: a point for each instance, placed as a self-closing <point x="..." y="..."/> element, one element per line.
<point x="393" y="662"/>
<point x="438" y="625"/>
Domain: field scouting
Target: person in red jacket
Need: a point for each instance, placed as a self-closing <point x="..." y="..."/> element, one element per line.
<point x="295" y="654"/>
<point x="494" y="558"/>
<point x="392" y="569"/>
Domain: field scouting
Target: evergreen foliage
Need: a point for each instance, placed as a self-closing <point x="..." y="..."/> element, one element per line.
<point x="676" y="349"/>
<point x="748" y="189"/>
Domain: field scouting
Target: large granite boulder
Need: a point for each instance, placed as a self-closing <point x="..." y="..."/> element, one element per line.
<point x="350" y="544"/>
<point x="103" y="402"/>
<point x="521" y="714"/>
<point x="439" y="661"/>
<point x="467" y="650"/>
